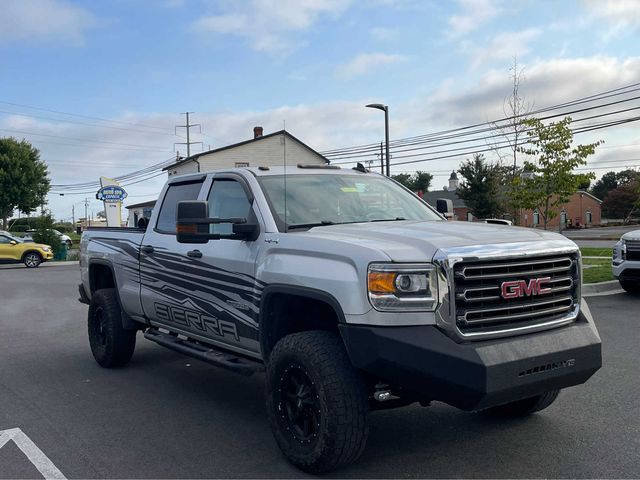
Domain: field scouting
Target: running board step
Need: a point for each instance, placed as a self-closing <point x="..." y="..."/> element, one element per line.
<point x="219" y="358"/>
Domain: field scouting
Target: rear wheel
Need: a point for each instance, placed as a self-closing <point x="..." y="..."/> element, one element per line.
<point x="112" y="346"/>
<point x="525" y="407"/>
<point x="316" y="402"/>
<point x="629" y="286"/>
<point x="32" y="260"/>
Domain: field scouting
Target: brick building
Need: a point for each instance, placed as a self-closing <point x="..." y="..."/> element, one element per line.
<point x="583" y="210"/>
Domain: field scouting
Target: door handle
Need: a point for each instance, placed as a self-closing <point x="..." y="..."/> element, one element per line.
<point x="194" y="254"/>
<point x="147" y="249"/>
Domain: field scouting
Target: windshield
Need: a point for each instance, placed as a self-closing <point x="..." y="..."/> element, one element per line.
<point x="314" y="200"/>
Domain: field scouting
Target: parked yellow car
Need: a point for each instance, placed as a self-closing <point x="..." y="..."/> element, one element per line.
<point x="14" y="250"/>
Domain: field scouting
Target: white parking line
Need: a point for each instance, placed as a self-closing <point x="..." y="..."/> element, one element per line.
<point x="33" y="453"/>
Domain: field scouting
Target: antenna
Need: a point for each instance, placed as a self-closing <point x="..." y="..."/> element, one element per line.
<point x="284" y="162"/>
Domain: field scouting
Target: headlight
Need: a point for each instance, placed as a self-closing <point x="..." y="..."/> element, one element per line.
<point x="406" y="287"/>
<point x="623" y="249"/>
<point x="46" y="249"/>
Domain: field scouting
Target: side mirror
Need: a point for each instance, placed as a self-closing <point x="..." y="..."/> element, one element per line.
<point x="445" y="207"/>
<point x="192" y="224"/>
<point x="13" y="242"/>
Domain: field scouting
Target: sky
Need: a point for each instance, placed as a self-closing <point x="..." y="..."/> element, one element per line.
<point x="98" y="87"/>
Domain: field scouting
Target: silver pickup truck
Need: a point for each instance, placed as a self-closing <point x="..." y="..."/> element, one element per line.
<point x="349" y="292"/>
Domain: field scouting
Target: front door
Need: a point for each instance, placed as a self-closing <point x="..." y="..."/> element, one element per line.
<point x="208" y="291"/>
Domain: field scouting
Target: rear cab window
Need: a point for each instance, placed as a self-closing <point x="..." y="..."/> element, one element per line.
<point x="177" y="192"/>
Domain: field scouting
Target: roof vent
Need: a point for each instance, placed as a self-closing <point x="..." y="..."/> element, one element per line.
<point x="257" y="132"/>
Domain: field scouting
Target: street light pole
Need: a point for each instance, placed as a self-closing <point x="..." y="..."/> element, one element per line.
<point x="385" y="109"/>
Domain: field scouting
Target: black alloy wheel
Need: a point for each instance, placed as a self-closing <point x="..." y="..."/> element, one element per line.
<point x="299" y="404"/>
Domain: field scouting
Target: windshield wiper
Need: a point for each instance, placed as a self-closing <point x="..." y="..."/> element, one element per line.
<point x="389" y="219"/>
<point x="310" y="225"/>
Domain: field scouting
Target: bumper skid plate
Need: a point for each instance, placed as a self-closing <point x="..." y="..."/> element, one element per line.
<point x="476" y="375"/>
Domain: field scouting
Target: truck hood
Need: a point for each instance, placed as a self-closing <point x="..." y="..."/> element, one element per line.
<point x="407" y="241"/>
<point x="632" y="235"/>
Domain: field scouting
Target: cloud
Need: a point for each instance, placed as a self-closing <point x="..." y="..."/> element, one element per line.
<point x="267" y="25"/>
<point x="365" y="63"/>
<point x="502" y="46"/>
<point x="383" y="34"/>
<point x="474" y="13"/>
<point x="619" y="15"/>
<point x="44" y="20"/>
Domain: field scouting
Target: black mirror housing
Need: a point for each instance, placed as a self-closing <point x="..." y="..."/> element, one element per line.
<point x="445" y="207"/>
<point x="191" y="221"/>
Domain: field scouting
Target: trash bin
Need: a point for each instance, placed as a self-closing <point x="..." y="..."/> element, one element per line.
<point x="61" y="254"/>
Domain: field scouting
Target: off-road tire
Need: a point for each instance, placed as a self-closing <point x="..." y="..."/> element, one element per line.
<point x="342" y="401"/>
<point x="32" y="259"/>
<point x="112" y="346"/>
<point x="630" y="287"/>
<point x="525" y="407"/>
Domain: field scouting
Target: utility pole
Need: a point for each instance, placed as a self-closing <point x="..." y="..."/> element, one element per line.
<point x="187" y="126"/>
<point x="73" y="215"/>
<point x="381" y="159"/>
<point x="86" y="213"/>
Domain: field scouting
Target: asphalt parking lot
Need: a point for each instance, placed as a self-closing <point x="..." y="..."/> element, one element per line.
<point x="167" y="416"/>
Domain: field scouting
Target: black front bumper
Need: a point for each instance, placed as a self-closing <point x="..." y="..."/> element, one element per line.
<point x="476" y="375"/>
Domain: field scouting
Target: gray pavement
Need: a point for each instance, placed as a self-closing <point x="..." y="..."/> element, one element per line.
<point x="168" y="416"/>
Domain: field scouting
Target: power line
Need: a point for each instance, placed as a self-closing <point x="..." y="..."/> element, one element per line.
<point x="491" y="129"/>
<point x="83" y="116"/>
<point x="75" y="122"/>
<point x="587" y="99"/>
<point x="146" y="147"/>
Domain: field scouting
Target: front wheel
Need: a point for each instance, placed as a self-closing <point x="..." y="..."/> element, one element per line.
<point x="525" y="407"/>
<point x="316" y="402"/>
<point x="630" y="287"/>
<point x="32" y="260"/>
<point x="112" y="346"/>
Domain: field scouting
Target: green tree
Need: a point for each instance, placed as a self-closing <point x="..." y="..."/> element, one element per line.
<point x="480" y="188"/>
<point x="623" y="201"/>
<point x="550" y="181"/>
<point x="403" y="178"/>
<point x="416" y="181"/>
<point x="607" y="183"/>
<point x="44" y="233"/>
<point x="627" y="176"/>
<point x="24" y="181"/>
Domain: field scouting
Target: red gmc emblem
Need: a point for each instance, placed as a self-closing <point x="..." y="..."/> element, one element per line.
<point x="522" y="288"/>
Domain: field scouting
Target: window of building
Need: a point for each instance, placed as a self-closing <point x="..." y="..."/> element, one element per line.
<point x="563" y="218"/>
<point x="227" y="199"/>
<point x="242" y="164"/>
<point x="175" y="193"/>
<point x="587" y="216"/>
<point x="536" y="218"/>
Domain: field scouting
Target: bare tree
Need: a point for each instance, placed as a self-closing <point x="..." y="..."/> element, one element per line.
<point x="510" y="133"/>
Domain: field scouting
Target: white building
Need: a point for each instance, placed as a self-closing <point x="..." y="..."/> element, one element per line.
<point x="138" y="211"/>
<point x="261" y="150"/>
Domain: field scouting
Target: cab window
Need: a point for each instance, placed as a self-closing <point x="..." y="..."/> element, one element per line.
<point x="175" y="193"/>
<point x="227" y="199"/>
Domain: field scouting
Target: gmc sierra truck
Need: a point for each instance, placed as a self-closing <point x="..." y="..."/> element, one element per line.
<point x="349" y="292"/>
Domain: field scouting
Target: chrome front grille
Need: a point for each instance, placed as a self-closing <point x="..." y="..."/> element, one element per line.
<point x="480" y="306"/>
<point x="633" y="249"/>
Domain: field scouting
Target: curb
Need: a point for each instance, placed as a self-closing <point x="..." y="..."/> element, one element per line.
<point x="612" y="286"/>
<point x="12" y="266"/>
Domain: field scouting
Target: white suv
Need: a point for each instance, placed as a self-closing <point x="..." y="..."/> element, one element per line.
<point x="626" y="261"/>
